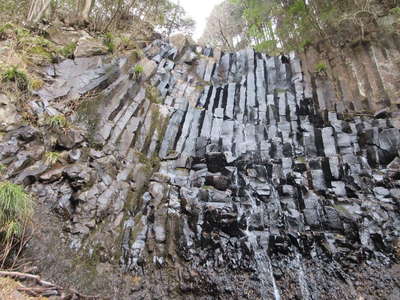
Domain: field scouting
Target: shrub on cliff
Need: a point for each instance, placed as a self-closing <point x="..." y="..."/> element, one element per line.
<point x="16" y="207"/>
<point x="13" y="74"/>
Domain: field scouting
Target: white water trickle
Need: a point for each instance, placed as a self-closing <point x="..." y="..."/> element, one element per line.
<point x="276" y="291"/>
<point x="266" y="275"/>
<point x="264" y="267"/>
<point x="305" y="292"/>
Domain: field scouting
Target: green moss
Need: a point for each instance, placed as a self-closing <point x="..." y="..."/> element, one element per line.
<point x="36" y="49"/>
<point x="279" y="90"/>
<point x="35" y="84"/>
<point x="51" y="158"/>
<point x="150" y="165"/>
<point x="342" y="209"/>
<point x="157" y="127"/>
<point x="201" y="84"/>
<point x="172" y="152"/>
<point x="153" y="94"/>
<point x="88" y="116"/>
<point x="301" y="160"/>
<point x="137" y="228"/>
<point x="43" y="55"/>
<point x="162" y="128"/>
<point x="208" y="187"/>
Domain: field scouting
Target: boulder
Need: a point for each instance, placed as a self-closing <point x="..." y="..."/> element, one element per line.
<point x="65" y="36"/>
<point x="8" y="112"/>
<point x="70" y="139"/>
<point x="188" y="57"/>
<point x="149" y="68"/>
<point x="180" y="42"/>
<point x="90" y="47"/>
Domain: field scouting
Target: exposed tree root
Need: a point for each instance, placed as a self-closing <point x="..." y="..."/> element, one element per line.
<point x="45" y="288"/>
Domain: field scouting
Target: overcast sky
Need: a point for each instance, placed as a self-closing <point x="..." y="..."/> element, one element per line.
<point x="199" y="10"/>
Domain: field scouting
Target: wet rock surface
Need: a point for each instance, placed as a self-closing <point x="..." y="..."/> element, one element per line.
<point x="232" y="184"/>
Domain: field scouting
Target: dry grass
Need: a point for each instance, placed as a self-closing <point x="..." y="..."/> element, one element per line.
<point x="8" y="291"/>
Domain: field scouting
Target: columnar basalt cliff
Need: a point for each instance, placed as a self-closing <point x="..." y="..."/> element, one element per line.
<point x="210" y="175"/>
<point x="362" y="77"/>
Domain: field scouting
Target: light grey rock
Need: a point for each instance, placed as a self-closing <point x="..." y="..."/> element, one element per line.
<point x="8" y="112"/>
<point x="87" y="47"/>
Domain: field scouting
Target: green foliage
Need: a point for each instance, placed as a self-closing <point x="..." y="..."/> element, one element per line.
<point x="16" y="207"/>
<point x="305" y="43"/>
<point x="13" y="74"/>
<point x="4" y="30"/>
<point x="57" y="122"/>
<point x="137" y="72"/>
<point x="296" y="24"/>
<point x="3" y="169"/>
<point x="40" y="55"/>
<point x="35" y="84"/>
<point x="22" y="33"/>
<point x="108" y="41"/>
<point x="5" y="27"/>
<point x="266" y="46"/>
<point x="395" y="11"/>
<point x="297" y="8"/>
<point x="127" y="43"/>
<point x="68" y="50"/>
<point x="151" y="165"/>
<point x="153" y="94"/>
<point x="138" y="69"/>
<point x="320" y="67"/>
<point x="52" y="158"/>
<point x="34" y="49"/>
<point x="136" y="55"/>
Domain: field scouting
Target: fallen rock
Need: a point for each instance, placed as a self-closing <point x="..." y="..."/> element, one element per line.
<point x="65" y="36"/>
<point x="8" y="112"/>
<point x="395" y="164"/>
<point x="70" y="139"/>
<point x="149" y="68"/>
<point x="180" y="42"/>
<point x="90" y="47"/>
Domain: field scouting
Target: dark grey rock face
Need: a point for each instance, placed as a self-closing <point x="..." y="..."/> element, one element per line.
<point x="232" y="185"/>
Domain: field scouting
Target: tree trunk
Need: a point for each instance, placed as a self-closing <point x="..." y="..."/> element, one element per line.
<point x="84" y="8"/>
<point x="37" y="10"/>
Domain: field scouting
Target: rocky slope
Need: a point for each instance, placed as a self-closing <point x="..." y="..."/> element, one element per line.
<point x="208" y="175"/>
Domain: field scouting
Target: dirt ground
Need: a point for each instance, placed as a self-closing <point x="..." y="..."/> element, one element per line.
<point x="8" y="291"/>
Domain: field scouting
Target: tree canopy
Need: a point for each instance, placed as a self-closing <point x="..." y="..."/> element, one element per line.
<point x="225" y="28"/>
<point x="283" y="25"/>
<point x="100" y="15"/>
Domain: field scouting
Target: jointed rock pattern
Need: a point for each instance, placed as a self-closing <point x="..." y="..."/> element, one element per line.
<point x="228" y="183"/>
